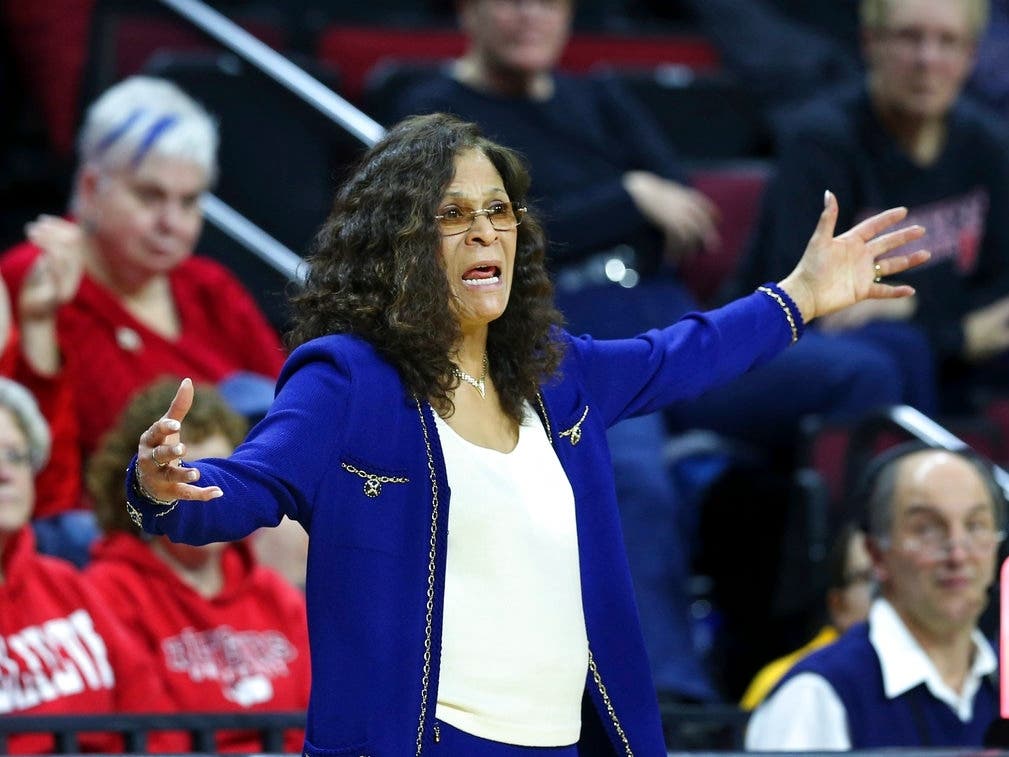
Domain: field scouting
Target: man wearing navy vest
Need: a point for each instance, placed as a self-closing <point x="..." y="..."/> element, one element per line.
<point x="919" y="673"/>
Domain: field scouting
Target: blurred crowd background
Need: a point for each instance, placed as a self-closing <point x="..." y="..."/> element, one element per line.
<point x="756" y="501"/>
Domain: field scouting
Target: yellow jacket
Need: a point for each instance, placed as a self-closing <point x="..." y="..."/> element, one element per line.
<point x="770" y="674"/>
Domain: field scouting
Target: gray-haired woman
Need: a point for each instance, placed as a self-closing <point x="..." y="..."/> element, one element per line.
<point x="112" y="298"/>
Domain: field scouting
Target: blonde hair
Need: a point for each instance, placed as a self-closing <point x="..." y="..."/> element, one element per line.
<point x="873" y="14"/>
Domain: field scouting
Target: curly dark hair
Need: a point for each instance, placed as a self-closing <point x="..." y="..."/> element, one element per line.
<point x="209" y="415"/>
<point x="375" y="271"/>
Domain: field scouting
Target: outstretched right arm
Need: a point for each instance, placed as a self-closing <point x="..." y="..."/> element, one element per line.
<point x="280" y="469"/>
<point x="160" y="475"/>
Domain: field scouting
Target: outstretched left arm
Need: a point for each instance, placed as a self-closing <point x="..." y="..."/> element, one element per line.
<point x="838" y="271"/>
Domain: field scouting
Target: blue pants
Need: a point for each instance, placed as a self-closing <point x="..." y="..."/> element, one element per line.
<point x="909" y="348"/>
<point x="837" y="376"/>
<point x="652" y="514"/>
<point x="455" y="743"/>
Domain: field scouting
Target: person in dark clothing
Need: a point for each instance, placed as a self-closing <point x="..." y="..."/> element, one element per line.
<point x="620" y="217"/>
<point x="908" y="136"/>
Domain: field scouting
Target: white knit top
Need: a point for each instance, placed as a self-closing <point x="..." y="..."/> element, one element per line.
<point x="514" y="651"/>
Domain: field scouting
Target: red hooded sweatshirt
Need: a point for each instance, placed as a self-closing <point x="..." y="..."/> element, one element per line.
<point x="62" y="652"/>
<point x="243" y="650"/>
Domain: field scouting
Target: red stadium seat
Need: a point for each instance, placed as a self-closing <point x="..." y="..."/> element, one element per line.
<point x="134" y="39"/>
<point x="736" y="189"/>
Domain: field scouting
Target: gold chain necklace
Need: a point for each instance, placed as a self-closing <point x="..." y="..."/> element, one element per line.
<point x="480" y="384"/>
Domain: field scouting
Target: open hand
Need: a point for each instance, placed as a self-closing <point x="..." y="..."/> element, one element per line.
<point x="838" y="271"/>
<point x="160" y="453"/>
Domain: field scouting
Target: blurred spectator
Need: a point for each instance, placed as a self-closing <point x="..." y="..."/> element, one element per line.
<point x="620" y="218"/>
<point x="919" y="673"/>
<point x="63" y="651"/>
<point x="226" y="634"/>
<point x="908" y="137"/>
<point x="849" y="594"/>
<point x="112" y="299"/>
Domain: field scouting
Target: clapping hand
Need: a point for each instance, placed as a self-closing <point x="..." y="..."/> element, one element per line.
<point x="53" y="281"/>
<point x="56" y="274"/>
<point x="838" y="271"/>
<point x="159" y="456"/>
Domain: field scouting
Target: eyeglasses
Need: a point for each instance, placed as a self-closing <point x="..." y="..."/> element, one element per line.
<point x="935" y="542"/>
<point x="458" y="219"/>
<point x="910" y="40"/>
<point x="15" y="458"/>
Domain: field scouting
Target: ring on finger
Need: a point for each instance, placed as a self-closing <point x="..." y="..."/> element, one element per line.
<point x="154" y="458"/>
<point x="879" y="274"/>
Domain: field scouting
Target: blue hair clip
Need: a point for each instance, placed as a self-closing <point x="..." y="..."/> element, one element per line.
<point x="110" y="139"/>
<point x="160" y="126"/>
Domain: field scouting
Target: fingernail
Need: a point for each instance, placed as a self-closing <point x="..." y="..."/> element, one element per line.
<point x="193" y="475"/>
<point x="177" y="449"/>
<point x="174" y="425"/>
<point x="216" y="493"/>
<point x="826" y="198"/>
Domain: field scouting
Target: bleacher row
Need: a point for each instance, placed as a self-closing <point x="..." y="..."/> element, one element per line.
<point x="678" y="75"/>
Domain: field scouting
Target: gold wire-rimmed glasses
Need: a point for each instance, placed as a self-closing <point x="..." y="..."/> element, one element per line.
<point x="458" y="219"/>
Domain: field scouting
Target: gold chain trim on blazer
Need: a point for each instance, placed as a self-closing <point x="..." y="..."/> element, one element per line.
<point x="609" y="705"/>
<point x="543" y="416"/>
<point x="373" y="483"/>
<point x="432" y="564"/>
<point x="575" y="432"/>
<point x="596" y="676"/>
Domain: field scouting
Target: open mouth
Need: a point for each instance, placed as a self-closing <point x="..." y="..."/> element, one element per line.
<point x="482" y="275"/>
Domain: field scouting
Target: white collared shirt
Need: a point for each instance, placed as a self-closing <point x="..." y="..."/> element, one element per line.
<point x="806" y="713"/>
